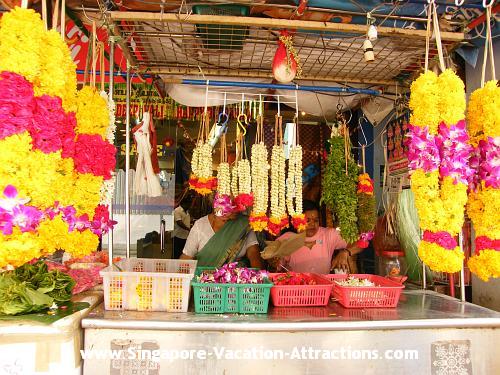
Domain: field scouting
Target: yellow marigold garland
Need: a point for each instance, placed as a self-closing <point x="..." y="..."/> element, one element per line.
<point x="483" y="115"/>
<point x="440" y="199"/>
<point x="92" y="113"/>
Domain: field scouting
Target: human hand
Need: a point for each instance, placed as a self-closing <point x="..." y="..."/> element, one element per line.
<point x="341" y="261"/>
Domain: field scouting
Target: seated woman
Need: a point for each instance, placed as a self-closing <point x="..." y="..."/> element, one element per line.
<point x="316" y="255"/>
<point x="222" y="237"/>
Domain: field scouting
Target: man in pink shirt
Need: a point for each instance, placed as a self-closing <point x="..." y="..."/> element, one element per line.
<point x="320" y="244"/>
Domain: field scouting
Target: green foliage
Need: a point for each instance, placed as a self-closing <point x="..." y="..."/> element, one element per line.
<point x="31" y="288"/>
<point x="366" y="212"/>
<point x="339" y="189"/>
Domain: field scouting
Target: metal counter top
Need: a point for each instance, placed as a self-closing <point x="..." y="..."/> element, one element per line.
<point x="416" y="309"/>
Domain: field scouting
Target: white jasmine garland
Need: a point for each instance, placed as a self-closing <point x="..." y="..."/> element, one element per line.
<point x="244" y="177"/>
<point x="234" y="179"/>
<point x="205" y="165"/>
<point x="224" y="179"/>
<point x="294" y="186"/>
<point x="108" y="190"/>
<point x="278" y="209"/>
<point x="260" y="185"/>
<point x="110" y="133"/>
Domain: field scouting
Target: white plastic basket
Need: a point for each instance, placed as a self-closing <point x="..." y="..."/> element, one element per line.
<point x="148" y="284"/>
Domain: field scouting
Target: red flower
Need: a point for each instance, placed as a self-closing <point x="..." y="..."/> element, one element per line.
<point x="443" y="239"/>
<point x="16" y="104"/>
<point x="362" y="244"/>
<point x="483" y="242"/>
<point x="52" y="129"/>
<point x="94" y="155"/>
<point x="243" y="201"/>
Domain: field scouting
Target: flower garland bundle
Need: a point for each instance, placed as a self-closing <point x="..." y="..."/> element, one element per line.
<point x="260" y="187"/>
<point x="92" y="112"/>
<point x="366" y="213"/>
<point x="223" y="172"/>
<point x="294" y="189"/>
<point x="108" y="187"/>
<point x="242" y="185"/>
<point x="202" y="180"/>
<point x="278" y="219"/>
<point x="51" y="194"/>
<point x="339" y="185"/>
<point x="483" y="207"/>
<point x="439" y="165"/>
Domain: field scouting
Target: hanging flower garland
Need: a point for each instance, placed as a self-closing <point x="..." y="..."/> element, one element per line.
<point x="202" y="180"/>
<point x="339" y="184"/>
<point x="223" y="171"/>
<point x="483" y="207"/>
<point x="438" y="161"/>
<point x="46" y="204"/>
<point x="294" y="189"/>
<point x="241" y="184"/>
<point x="278" y="219"/>
<point x="260" y="181"/>
<point x="366" y="211"/>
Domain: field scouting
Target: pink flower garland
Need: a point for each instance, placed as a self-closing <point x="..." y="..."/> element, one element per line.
<point x="443" y="239"/>
<point x="483" y="242"/>
<point x="16" y="104"/>
<point x="489" y="165"/>
<point x="52" y="129"/>
<point x="94" y="155"/>
<point x="423" y="152"/>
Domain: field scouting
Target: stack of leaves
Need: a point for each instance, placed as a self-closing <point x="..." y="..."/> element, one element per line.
<point x="339" y="189"/>
<point x="33" y="288"/>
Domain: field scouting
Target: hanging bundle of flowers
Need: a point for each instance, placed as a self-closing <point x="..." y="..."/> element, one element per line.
<point x="339" y="184"/>
<point x="241" y="183"/>
<point x="278" y="218"/>
<point x="439" y="165"/>
<point x="202" y="180"/>
<point x="260" y="180"/>
<point x="50" y="177"/>
<point x="483" y="207"/>
<point x="367" y="216"/>
<point x="294" y="186"/>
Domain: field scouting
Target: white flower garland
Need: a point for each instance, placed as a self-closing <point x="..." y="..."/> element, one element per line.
<point x="108" y="186"/>
<point x="294" y="186"/>
<point x="260" y="184"/>
<point x="223" y="179"/>
<point x="201" y="162"/>
<point x="241" y="182"/>
<point x="278" y="203"/>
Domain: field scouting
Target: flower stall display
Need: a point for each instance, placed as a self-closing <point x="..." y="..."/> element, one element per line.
<point x="202" y="180"/>
<point x="278" y="218"/>
<point x="52" y="167"/>
<point x="483" y="121"/>
<point x="260" y="180"/>
<point x="439" y="166"/>
<point x="366" y="210"/>
<point x="294" y="186"/>
<point x="339" y="184"/>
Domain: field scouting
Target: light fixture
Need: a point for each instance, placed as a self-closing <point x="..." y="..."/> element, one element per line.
<point x="368" y="50"/>
<point x="372" y="33"/>
<point x="303" y="113"/>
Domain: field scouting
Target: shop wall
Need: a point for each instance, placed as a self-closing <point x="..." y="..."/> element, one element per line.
<point x="484" y="294"/>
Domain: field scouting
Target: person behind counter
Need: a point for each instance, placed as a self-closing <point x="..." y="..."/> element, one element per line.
<point x="320" y="245"/>
<point x="222" y="237"/>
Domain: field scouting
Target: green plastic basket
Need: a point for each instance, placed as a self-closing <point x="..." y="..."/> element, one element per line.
<point x="231" y="298"/>
<point x="200" y="270"/>
<point x="225" y="37"/>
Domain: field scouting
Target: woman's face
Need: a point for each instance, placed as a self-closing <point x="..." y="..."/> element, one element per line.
<point x="312" y="217"/>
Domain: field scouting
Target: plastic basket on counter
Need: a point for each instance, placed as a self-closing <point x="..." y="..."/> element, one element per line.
<point x="148" y="284"/>
<point x="231" y="298"/>
<point x="385" y="293"/>
<point x="302" y="295"/>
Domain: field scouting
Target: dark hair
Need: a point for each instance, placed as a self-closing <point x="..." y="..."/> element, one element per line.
<point x="308" y="205"/>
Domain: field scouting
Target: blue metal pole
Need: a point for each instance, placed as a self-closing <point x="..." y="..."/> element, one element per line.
<point x="345" y="90"/>
<point x="254" y="85"/>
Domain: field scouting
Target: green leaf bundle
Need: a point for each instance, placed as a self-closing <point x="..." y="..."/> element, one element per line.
<point x="339" y="189"/>
<point x="17" y="298"/>
<point x="366" y="212"/>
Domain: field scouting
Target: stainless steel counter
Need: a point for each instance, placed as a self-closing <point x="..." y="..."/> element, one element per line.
<point x="427" y="333"/>
<point x="416" y="309"/>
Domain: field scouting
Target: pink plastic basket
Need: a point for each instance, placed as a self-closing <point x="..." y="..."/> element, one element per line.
<point x="302" y="295"/>
<point x="386" y="293"/>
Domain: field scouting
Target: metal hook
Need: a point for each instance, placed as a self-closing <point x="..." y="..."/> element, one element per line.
<point x="226" y="119"/>
<point x="362" y="131"/>
<point x="243" y="124"/>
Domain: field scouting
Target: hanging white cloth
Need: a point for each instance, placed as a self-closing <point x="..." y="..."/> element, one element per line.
<point x="146" y="181"/>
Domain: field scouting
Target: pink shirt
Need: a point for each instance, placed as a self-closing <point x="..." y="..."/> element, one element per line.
<point x="318" y="258"/>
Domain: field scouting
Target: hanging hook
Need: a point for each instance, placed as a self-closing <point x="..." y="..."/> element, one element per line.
<point x="360" y="120"/>
<point x="279" y="106"/>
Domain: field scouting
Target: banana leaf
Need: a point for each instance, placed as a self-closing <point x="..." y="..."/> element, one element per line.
<point x="17" y="298"/>
<point x="44" y="317"/>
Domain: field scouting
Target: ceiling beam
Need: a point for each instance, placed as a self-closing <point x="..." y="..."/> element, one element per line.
<point x="278" y="24"/>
